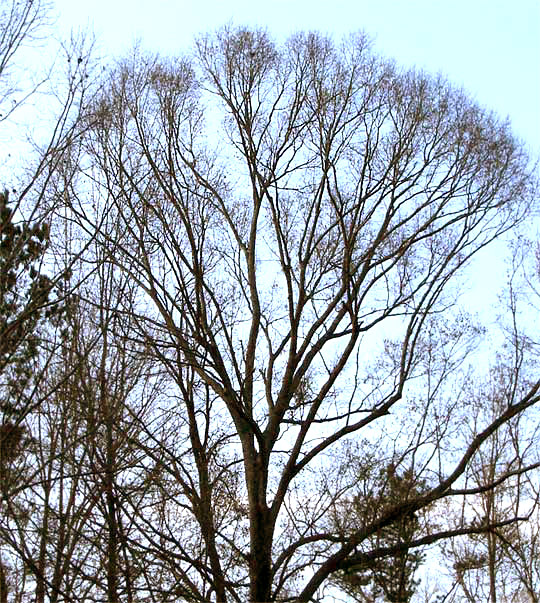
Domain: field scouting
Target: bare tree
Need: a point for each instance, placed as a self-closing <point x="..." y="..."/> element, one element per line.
<point x="484" y="564"/>
<point x="502" y="564"/>
<point x="31" y="296"/>
<point x="293" y="219"/>
<point x="23" y="23"/>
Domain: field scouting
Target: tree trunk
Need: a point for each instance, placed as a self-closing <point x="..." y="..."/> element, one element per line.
<point x="260" y="533"/>
<point x="3" y="584"/>
<point x="112" y="528"/>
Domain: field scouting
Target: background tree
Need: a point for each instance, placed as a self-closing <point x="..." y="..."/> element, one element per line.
<point x="392" y="578"/>
<point x="24" y="303"/>
<point x="502" y="564"/>
<point x="31" y="300"/>
<point x="482" y="562"/>
<point x="23" y="23"/>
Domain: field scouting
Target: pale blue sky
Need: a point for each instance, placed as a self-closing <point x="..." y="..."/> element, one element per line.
<point x="490" y="47"/>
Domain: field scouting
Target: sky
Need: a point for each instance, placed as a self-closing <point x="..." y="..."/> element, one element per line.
<point x="490" y="47"/>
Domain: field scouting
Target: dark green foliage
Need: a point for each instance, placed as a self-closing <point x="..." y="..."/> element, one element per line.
<point x="24" y="301"/>
<point x="391" y="578"/>
<point x="26" y="305"/>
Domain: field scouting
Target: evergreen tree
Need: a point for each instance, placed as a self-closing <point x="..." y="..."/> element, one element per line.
<point x="25" y="303"/>
<point x="387" y="578"/>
